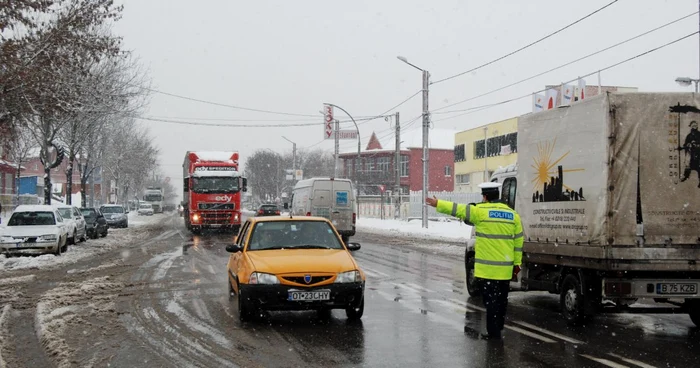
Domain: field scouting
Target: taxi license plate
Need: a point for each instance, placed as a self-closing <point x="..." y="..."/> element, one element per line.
<point x="315" y="295"/>
<point x="676" y="288"/>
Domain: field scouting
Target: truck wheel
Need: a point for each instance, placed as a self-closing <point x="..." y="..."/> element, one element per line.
<point x="473" y="284"/>
<point x="694" y="311"/>
<point x="572" y="300"/>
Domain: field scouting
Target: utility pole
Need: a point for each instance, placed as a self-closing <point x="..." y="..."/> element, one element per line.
<point x="337" y="148"/>
<point x="397" y="167"/>
<point x="486" y="154"/>
<point x="426" y="128"/>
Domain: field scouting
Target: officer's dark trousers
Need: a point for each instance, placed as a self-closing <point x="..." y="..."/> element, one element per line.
<point x="495" y="296"/>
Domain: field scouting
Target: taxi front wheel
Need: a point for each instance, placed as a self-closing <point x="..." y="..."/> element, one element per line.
<point x="356" y="311"/>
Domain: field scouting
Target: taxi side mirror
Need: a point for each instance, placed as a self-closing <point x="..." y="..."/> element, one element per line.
<point x="234" y="248"/>
<point x="353" y="246"/>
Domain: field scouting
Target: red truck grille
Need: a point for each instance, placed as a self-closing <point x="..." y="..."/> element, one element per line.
<point x="216" y="217"/>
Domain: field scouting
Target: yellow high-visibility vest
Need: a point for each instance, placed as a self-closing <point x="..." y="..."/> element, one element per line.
<point x="499" y="236"/>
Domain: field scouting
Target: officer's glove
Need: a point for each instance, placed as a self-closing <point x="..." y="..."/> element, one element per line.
<point x="516" y="271"/>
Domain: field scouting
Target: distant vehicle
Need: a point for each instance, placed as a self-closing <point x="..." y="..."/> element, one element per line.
<point x="330" y="198"/>
<point x="212" y="191"/>
<point x="283" y="263"/>
<point x="268" y="210"/>
<point x="35" y="229"/>
<point x="115" y="215"/>
<point x="146" y="209"/>
<point x="154" y="196"/>
<point x="75" y="223"/>
<point x="96" y="222"/>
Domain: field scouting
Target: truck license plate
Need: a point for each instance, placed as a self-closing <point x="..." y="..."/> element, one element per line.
<point x="676" y="288"/>
<point x="315" y="295"/>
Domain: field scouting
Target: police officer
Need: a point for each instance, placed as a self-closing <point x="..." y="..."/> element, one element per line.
<point x="499" y="246"/>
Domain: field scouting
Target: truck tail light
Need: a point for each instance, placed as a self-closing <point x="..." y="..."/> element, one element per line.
<point x="354" y="218"/>
<point x="308" y="214"/>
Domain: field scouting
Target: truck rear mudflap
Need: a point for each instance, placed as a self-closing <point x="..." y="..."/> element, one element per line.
<point x="650" y="288"/>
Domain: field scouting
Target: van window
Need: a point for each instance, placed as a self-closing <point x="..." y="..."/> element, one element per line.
<point x="322" y="198"/>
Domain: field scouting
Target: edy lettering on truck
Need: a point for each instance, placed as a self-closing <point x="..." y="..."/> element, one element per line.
<point x="223" y="198"/>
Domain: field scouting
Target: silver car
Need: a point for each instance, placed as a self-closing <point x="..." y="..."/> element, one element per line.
<point x="75" y="223"/>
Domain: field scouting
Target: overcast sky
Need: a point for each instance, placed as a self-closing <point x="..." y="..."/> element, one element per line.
<point x="291" y="56"/>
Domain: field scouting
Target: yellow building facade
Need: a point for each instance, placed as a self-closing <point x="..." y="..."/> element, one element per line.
<point x="480" y="151"/>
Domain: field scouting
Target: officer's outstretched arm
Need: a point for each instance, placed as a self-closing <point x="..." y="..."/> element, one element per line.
<point x="518" y="240"/>
<point x="465" y="212"/>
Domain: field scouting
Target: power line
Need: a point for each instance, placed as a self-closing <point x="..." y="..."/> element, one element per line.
<point x="225" y="125"/>
<point x="526" y="46"/>
<point x="229" y="106"/>
<point x="472" y="110"/>
<point x="561" y="66"/>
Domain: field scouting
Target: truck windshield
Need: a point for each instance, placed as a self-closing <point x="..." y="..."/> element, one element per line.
<point x="215" y="185"/>
<point x="153" y="197"/>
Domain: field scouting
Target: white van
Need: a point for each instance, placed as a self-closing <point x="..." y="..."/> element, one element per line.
<point x="331" y="198"/>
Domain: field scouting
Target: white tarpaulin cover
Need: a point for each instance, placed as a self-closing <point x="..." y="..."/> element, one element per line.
<point x="583" y="167"/>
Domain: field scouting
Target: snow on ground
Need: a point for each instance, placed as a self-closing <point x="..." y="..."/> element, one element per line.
<point x="116" y="238"/>
<point x="4" y="336"/>
<point x="450" y="231"/>
<point x="72" y="303"/>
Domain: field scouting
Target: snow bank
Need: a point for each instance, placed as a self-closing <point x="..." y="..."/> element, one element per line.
<point x="449" y="231"/>
<point x="116" y="238"/>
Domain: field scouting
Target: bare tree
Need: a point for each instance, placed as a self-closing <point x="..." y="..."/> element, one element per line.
<point x="22" y="145"/>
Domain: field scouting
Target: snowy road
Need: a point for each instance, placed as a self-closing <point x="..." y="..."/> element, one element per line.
<point x="161" y="301"/>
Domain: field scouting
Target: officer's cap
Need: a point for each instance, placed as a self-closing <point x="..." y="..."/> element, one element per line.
<point x="489" y="187"/>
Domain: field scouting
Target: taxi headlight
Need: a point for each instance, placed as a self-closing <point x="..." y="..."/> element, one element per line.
<point x="346" y="277"/>
<point x="259" y="278"/>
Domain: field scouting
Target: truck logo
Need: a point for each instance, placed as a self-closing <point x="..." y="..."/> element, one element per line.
<point x="552" y="187"/>
<point x="215" y="168"/>
<point x="223" y="198"/>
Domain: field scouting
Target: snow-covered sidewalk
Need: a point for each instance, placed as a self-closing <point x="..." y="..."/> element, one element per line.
<point x="449" y="231"/>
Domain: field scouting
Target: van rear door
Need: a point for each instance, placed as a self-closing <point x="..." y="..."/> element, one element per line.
<point x="342" y="205"/>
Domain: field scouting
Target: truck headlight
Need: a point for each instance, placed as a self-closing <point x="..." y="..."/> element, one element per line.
<point x="195" y="217"/>
<point x="347" y="277"/>
<point x="48" y="238"/>
<point x="259" y="278"/>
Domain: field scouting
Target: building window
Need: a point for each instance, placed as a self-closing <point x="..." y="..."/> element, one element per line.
<point x="448" y="170"/>
<point x="496" y="146"/>
<point x="459" y="153"/>
<point x="383" y="164"/>
<point x="462" y="179"/>
<point x="403" y="168"/>
<point x="36" y="166"/>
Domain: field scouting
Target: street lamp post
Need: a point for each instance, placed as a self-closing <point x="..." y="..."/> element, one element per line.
<point x="357" y="183"/>
<point x="686" y="81"/>
<point x="426" y="128"/>
<point x="294" y="158"/>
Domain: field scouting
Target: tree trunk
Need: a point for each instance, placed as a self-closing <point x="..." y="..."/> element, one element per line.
<point x="19" y="172"/>
<point x="83" y="195"/>
<point x="47" y="185"/>
<point x="69" y="179"/>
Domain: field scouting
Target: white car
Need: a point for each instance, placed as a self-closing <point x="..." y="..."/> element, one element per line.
<point x="75" y="223"/>
<point x="34" y="229"/>
<point x="145" y="209"/>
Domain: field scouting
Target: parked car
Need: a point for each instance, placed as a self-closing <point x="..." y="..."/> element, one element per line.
<point x="115" y="215"/>
<point x="96" y="222"/>
<point x="267" y="210"/>
<point x="145" y="209"/>
<point x="285" y="263"/>
<point x="35" y="229"/>
<point x="75" y="223"/>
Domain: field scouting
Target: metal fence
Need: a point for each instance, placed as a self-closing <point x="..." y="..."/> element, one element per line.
<point x="410" y="206"/>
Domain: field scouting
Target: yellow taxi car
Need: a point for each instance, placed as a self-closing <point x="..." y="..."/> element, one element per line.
<point x="294" y="263"/>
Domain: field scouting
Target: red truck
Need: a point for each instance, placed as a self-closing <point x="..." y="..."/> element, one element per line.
<point x="212" y="191"/>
